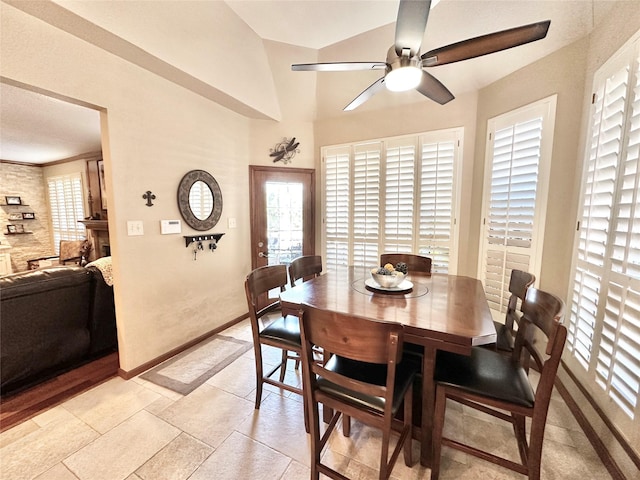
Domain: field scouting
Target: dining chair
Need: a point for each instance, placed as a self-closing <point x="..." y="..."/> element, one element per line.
<point x="519" y="282"/>
<point x="494" y="384"/>
<point x="363" y="378"/>
<point x="282" y="333"/>
<point x="415" y="263"/>
<point x="306" y="266"/>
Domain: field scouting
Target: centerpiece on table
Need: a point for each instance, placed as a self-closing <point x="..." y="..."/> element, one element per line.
<point x="389" y="276"/>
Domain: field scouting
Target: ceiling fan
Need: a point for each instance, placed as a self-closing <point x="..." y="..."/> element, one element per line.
<point x="404" y="64"/>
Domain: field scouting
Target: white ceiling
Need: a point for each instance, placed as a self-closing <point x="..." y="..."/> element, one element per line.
<point x="38" y="129"/>
<point x="314" y="24"/>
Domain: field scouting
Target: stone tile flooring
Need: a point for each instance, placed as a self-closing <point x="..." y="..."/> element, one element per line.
<point x="135" y="430"/>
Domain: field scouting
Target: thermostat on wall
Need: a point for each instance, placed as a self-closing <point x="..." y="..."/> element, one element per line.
<point x="170" y="226"/>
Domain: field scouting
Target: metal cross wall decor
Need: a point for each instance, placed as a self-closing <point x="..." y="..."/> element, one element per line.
<point x="148" y="196"/>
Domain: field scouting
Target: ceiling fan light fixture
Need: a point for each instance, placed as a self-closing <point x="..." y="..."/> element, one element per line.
<point x="403" y="79"/>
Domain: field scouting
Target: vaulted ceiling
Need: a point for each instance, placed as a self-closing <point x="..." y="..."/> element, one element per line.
<point x="39" y="129"/>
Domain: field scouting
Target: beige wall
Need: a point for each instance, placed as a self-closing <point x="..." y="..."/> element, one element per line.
<point x="156" y="132"/>
<point x="569" y="73"/>
<point x="153" y="133"/>
<point x="619" y="26"/>
<point x="296" y="97"/>
<point x="561" y="73"/>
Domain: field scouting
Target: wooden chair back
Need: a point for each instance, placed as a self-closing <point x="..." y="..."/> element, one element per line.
<point x="415" y="263"/>
<point x="280" y="332"/>
<point x="260" y="281"/>
<point x="352" y="337"/>
<point x="304" y="267"/>
<point x="542" y="312"/>
<point x="519" y="282"/>
<point x="352" y="380"/>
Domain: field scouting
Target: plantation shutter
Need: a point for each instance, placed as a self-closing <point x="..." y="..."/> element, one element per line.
<point x="366" y="203"/>
<point x="604" y="149"/>
<point x="516" y="154"/>
<point x="399" y="191"/>
<point x="436" y="199"/>
<point x="391" y="195"/>
<point x="336" y="207"/>
<point x="604" y="327"/>
<point x="618" y="365"/>
<point x="513" y="210"/>
<point x="66" y="206"/>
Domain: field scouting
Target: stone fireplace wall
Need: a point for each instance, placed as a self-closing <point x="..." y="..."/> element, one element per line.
<point x="26" y="182"/>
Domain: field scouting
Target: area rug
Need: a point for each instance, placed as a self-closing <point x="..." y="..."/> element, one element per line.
<point x="188" y="370"/>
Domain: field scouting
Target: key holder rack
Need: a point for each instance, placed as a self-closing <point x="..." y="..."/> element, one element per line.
<point x="189" y="239"/>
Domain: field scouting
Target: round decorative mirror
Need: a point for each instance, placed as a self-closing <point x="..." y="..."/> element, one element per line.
<point x="199" y="200"/>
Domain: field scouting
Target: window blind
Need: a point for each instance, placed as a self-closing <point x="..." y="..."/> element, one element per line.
<point x="394" y="195"/>
<point x="336" y="207"/>
<point x="399" y="192"/>
<point x="66" y="206"/>
<point x="604" y="326"/>
<point x="436" y="201"/>
<point x="366" y="203"/>
<point x="512" y="205"/>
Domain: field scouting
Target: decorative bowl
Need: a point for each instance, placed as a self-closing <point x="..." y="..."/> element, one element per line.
<point x="388" y="281"/>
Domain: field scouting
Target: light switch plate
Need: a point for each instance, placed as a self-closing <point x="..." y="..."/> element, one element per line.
<point x="168" y="227"/>
<point x="135" y="228"/>
<point x="231" y="221"/>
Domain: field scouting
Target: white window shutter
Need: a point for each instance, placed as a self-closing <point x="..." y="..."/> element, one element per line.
<point x="519" y="154"/>
<point x="336" y="207"/>
<point x="584" y="310"/>
<point x="399" y="192"/>
<point x="66" y="207"/>
<point x="604" y="326"/>
<point x="436" y="200"/>
<point x="618" y="364"/>
<point x="598" y="200"/>
<point x="366" y="203"/>
<point x="391" y="195"/>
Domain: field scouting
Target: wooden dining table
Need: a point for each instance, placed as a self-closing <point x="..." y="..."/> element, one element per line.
<point x="439" y="312"/>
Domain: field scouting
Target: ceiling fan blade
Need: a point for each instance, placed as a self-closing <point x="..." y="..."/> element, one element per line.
<point x="431" y="87"/>
<point x="369" y="92"/>
<point x="411" y="23"/>
<point x="338" y="66"/>
<point x="491" y="43"/>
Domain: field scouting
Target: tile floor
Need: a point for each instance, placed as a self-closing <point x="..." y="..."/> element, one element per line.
<point x="135" y="430"/>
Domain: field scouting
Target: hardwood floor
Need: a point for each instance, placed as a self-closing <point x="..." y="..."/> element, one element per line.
<point x="21" y="406"/>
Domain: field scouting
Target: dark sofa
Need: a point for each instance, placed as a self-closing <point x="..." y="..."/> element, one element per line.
<point x="52" y="320"/>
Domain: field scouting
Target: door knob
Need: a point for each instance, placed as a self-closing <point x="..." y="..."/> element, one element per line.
<point x="263" y="254"/>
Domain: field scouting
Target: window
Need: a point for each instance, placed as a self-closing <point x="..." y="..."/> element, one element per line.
<point x="66" y="205"/>
<point x="604" y="324"/>
<point x="391" y="195"/>
<point x="516" y="175"/>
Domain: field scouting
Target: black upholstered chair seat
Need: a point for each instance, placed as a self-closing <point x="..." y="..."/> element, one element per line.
<point x="371" y="373"/>
<point x="485" y="373"/>
<point x="284" y="330"/>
